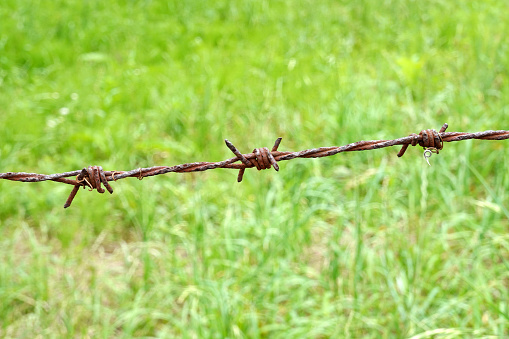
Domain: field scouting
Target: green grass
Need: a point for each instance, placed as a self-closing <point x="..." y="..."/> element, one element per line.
<point x="359" y="245"/>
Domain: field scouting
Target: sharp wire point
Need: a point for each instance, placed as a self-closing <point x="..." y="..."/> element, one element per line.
<point x="427" y="155"/>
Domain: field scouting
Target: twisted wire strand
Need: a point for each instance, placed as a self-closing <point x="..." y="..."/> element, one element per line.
<point x="261" y="158"/>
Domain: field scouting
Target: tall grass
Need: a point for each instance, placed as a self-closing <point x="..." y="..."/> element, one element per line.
<point x="358" y="245"/>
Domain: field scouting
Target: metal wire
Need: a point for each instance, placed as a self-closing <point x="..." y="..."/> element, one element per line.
<point x="261" y="158"/>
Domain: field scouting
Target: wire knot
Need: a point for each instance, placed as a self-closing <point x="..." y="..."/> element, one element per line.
<point x="91" y="177"/>
<point x="429" y="139"/>
<point x="261" y="158"/>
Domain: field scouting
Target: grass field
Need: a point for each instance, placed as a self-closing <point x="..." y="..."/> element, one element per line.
<point x="359" y="245"/>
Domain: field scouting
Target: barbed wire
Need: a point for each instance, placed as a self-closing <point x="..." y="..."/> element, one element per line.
<point x="261" y="158"/>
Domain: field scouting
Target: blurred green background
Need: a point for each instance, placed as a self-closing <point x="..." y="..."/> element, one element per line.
<point x="357" y="245"/>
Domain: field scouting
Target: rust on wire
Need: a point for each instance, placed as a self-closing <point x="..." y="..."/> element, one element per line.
<point x="94" y="177"/>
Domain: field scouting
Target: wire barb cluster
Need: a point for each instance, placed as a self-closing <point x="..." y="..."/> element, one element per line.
<point x="94" y="177"/>
<point x="428" y="139"/>
<point x="263" y="159"/>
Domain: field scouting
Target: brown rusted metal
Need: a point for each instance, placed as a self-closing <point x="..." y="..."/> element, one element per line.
<point x="428" y="139"/>
<point x="69" y="200"/>
<point x="93" y="177"/>
<point x="76" y="188"/>
<point x="261" y="158"/>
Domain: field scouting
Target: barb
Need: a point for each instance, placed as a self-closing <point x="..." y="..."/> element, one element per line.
<point x="261" y="158"/>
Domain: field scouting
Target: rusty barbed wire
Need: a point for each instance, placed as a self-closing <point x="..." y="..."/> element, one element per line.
<point x="93" y="177"/>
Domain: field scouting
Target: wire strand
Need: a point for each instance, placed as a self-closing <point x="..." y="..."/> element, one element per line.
<point x="261" y="158"/>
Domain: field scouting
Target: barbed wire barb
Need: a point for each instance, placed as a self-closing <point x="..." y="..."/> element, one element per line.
<point x="94" y="177"/>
